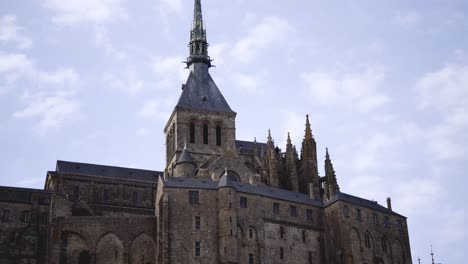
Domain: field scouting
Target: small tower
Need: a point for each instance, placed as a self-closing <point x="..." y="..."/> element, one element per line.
<point x="185" y="166"/>
<point x="331" y="186"/>
<point x="309" y="179"/>
<point x="271" y="163"/>
<point x="291" y="160"/>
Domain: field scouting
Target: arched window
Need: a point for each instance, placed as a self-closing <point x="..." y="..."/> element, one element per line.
<point x="367" y="242"/>
<point x="218" y="135"/>
<point x="205" y="134"/>
<point x="105" y="196"/>
<point x="384" y="245"/>
<point x="192" y="133"/>
<point x="250" y="233"/>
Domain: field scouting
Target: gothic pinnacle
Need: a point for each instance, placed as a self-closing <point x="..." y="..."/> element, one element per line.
<point x="289" y="139"/>
<point x="198" y="43"/>
<point x="308" y="130"/>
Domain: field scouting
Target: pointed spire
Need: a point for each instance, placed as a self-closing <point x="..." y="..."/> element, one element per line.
<point x="198" y="42"/>
<point x="327" y="156"/>
<point x="289" y="140"/>
<point x="308" y="130"/>
<point x="269" y="136"/>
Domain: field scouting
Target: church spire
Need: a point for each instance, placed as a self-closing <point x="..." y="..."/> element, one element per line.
<point x="198" y="43"/>
<point x="308" y="130"/>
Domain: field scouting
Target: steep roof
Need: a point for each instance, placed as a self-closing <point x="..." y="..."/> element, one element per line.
<point x="201" y="92"/>
<point x="360" y="202"/>
<point x="85" y="169"/>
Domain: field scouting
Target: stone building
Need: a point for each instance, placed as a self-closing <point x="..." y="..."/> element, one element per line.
<point x="218" y="200"/>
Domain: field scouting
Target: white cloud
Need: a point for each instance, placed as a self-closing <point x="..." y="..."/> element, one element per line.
<point x="359" y="89"/>
<point x="248" y="83"/>
<point x="170" y="71"/>
<point x="445" y="92"/>
<point x="269" y="30"/>
<point x="52" y="100"/>
<point x="128" y="82"/>
<point x="156" y="109"/>
<point x="10" y="32"/>
<point x="172" y="5"/>
<point x="367" y="154"/>
<point x="102" y="39"/>
<point x="76" y="12"/>
<point x="407" y="20"/>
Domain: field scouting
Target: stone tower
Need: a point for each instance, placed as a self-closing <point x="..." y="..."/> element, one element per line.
<point x="202" y="119"/>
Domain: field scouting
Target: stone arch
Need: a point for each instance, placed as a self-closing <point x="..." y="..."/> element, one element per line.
<point x="142" y="250"/>
<point x="368" y="248"/>
<point x="399" y="252"/>
<point x="354" y="254"/>
<point x="386" y="249"/>
<point x="109" y="250"/>
<point x="74" y="248"/>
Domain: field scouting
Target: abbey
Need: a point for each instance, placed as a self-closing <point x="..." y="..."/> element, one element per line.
<point x="218" y="200"/>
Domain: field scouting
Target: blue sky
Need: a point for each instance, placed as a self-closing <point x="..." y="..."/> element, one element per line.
<point x="385" y="84"/>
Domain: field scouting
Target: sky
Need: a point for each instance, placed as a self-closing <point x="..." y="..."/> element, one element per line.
<point x="385" y="84"/>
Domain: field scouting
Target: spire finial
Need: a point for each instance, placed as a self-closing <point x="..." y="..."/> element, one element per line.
<point x="198" y="43"/>
<point x="308" y="130"/>
<point x="269" y="136"/>
<point x="327" y="155"/>
<point x="289" y="139"/>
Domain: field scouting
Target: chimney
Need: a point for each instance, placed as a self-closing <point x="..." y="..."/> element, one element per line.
<point x="389" y="203"/>
<point x="311" y="191"/>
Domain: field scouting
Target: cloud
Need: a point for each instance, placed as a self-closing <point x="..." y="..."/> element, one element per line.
<point x="156" y="109"/>
<point x="10" y="32"/>
<point x="367" y="152"/>
<point x="359" y="89"/>
<point x="169" y="70"/>
<point x="102" y="39"/>
<point x="52" y="101"/>
<point x="268" y="31"/>
<point x="128" y="82"/>
<point x="76" y="12"/>
<point x="444" y="92"/>
<point x="248" y="83"/>
<point x="173" y="6"/>
<point x="48" y="96"/>
<point x="407" y="20"/>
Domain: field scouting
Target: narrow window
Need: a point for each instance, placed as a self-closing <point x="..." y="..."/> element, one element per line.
<point x="375" y="219"/>
<point x="192" y="133"/>
<point x="205" y="134"/>
<point x="282" y="232"/>
<point x="309" y="215"/>
<point x="399" y="225"/>
<point x="243" y="202"/>
<point x="193" y="197"/>
<point x="276" y="208"/>
<point x="281" y="253"/>
<point x="346" y="211"/>
<point x="250" y="233"/>
<point x="105" y="196"/>
<point x="251" y="258"/>
<point x="367" y="242"/>
<point x="386" y="222"/>
<point x="197" y="223"/>
<point x="6" y="216"/>
<point x="293" y="211"/>
<point x="76" y="193"/>
<point x="384" y="245"/>
<point x="135" y="198"/>
<point x="310" y="257"/>
<point x="44" y="218"/>
<point x="197" y="248"/>
<point x="358" y="214"/>
<point x="25" y="215"/>
<point x="218" y="136"/>
<point x="303" y="236"/>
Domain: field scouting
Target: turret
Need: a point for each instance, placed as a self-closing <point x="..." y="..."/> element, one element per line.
<point x="309" y="170"/>
<point x="331" y="185"/>
<point x="185" y="166"/>
<point x="291" y="160"/>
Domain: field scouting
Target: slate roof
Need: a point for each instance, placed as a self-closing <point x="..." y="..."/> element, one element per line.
<point x="185" y="157"/>
<point x="249" y="145"/>
<point x="85" y="169"/>
<point x="360" y="202"/>
<point x="201" y="92"/>
<point x="285" y="195"/>
<point x="21" y="195"/>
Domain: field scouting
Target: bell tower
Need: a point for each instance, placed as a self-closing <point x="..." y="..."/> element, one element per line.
<point x="202" y="122"/>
